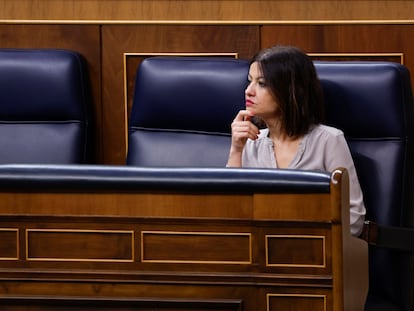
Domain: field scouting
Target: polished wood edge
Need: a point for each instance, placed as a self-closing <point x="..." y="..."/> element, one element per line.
<point x="210" y="22"/>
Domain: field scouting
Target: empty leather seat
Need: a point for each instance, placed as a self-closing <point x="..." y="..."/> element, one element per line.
<point x="44" y="102"/>
<point x="182" y="110"/>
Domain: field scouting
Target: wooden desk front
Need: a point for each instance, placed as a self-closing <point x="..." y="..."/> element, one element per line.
<point x="179" y="251"/>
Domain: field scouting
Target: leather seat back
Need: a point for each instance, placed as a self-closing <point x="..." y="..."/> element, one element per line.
<point x="182" y="111"/>
<point x="44" y="98"/>
<point x="372" y="103"/>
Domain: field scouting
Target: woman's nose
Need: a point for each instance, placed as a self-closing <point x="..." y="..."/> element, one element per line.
<point x="248" y="90"/>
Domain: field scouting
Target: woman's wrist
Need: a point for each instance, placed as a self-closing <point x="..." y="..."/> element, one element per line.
<point x="234" y="159"/>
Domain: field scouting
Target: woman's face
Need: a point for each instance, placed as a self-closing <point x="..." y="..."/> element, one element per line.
<point x="259" y="98"/>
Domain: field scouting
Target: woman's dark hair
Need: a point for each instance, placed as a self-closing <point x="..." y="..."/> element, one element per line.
<point x="291" y="77"/>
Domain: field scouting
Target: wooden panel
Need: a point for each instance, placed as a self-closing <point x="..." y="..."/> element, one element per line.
<point x="81" y="38"/>
<point x="128" y="204"/>
<point x="224" y="262"/>
<point x="179" y="10"/>
<point x="9" y="245"/>
<point x="196" y="247"/>
<point x="120" y="39"/>
<point x="367" y="40"/>
<point x="311" y="206"/>
<point x="298" y="251"/>
<point x="79" y="245"/>
<point x="306" y="248"/>
<point x="296" y="302"/>
<point x="228" y="243"/>
<point x="130" y="304"/>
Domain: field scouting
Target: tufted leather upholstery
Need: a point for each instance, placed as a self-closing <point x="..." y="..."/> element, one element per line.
<point x="373" y="104"/>
<point x="182" y="113"/>
<point x="44" y="97"/>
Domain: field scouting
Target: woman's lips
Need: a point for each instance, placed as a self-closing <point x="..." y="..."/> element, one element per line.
<point x="249" y="103"/>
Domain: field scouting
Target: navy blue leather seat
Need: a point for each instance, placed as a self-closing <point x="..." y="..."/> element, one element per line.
<point x="372" y="103"/>
<point x="181" y="116"/>
<point x="44" y="98"/>
<point x="182" y="110"/>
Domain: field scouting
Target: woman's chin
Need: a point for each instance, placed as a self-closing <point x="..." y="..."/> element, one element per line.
<point x="250" y="109"/>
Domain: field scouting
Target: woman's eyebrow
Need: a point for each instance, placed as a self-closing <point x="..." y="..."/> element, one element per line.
<point x="256" y="78"/>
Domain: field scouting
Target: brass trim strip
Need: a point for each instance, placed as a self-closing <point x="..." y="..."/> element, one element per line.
<point x="16" y="230"/>
<point x="249" y="235"/>
<point x="211" y="22"/>
<point x="291" y="236"/>
<point x="131" y="232"/>
<point x="268" y="296"/>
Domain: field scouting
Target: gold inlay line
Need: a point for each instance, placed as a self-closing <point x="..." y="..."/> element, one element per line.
<point x="212" y="22"/>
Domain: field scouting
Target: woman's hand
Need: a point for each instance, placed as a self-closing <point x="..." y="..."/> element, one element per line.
<point x="241" y="130"/>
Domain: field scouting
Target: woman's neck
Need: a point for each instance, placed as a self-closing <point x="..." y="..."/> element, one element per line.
<point x="285" y="147"/>
<point x="275" y="130"/>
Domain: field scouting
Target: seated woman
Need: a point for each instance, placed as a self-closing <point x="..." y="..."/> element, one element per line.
<point x="281" y="126"/>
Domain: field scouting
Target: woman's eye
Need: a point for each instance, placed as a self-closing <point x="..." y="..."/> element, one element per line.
<point x="262" y="84"/>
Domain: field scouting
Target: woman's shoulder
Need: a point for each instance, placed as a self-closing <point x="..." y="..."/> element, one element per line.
<point x="325" y="130"/>
<point x="324" y="139"/>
